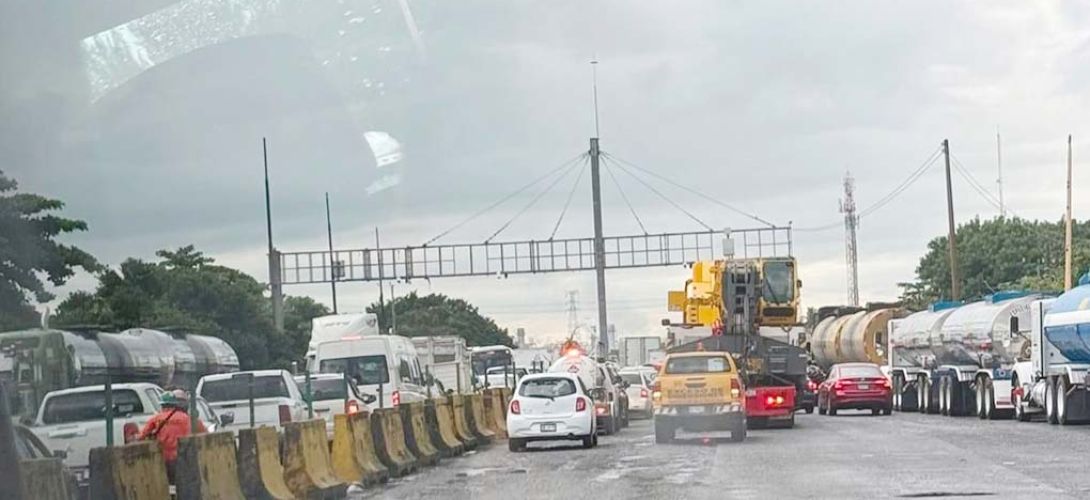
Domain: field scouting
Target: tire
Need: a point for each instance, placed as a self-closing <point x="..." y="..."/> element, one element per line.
<point x="944" y="396"/>
<point x="738" y="434"/>
<point x="821" y="409"/>
<point x="1050" y="401"/>
<point x="790" y="422"/>
<point x="874" y="412"/>
<point x="923" y="395"/>
<point x="589" y="441"/>
<point x="515" y="445"/>
<point x="1020" y="413"/>
<point x="809" y="410"/>
<point x="1062" y="386"/>
<point x="832" y="410"/>
<point x="979" y="399"/>
<point x="887" y="411"/>
<point x="898" y="388"/>
<point x="989" y="399"/>
<point x="663" y="433"/>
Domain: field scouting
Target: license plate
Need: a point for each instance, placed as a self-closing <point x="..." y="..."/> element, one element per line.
<point x="864" y="387"/>
<point x="696" y="409"/>
<point x="548" y="427"/>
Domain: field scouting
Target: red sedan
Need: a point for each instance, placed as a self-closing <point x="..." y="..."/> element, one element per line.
<point x="860" y="386"/>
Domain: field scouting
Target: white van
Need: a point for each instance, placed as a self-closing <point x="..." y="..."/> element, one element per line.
<point x="340" y="326"/>
<point x="383" y="365"/>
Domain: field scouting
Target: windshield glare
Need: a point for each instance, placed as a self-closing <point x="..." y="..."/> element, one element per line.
<point x="697" y="364"/>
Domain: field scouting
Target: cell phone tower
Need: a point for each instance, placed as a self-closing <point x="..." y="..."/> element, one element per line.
<point x="851" y="222"/>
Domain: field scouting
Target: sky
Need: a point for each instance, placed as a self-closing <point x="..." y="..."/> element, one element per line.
<point x="147" y="118"/>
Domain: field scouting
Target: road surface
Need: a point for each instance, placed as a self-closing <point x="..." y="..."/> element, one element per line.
<point x="853" y="455"/>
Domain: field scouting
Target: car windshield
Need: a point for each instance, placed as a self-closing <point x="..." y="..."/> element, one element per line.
<point x="363" y="370"/>
<point x="547" y="388"/>
<point x="237" y="388"/>
<point x="697" y="364"/>
<point x="860" y="372"/>
<point x="327" y="389"/>
<point x="632" y="378"/>
<point x="81" y="406"/>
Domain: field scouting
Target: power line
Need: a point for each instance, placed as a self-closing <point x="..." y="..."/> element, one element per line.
<point x="571" y="194"/>
<point x="656" y="191"/>
<point x="532" y="202"/>
<point x="691" y="190"/>
<point x="975" y="184"/>
<point x="528" y="185"/>
<point x="625" y="198"/>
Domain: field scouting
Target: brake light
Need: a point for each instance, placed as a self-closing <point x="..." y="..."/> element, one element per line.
<point x="643" y="393"/>
<point x="351" y="406"/>
<point x="735" y="388"/>
<point x="517" y="410"/>
<point x="285" y="414"/>
<point x="770" y="401"/>
<point x="580" y="404"/>
<point x="839" y="385"/>
<point x="395" y="398"/>
<point x="811" y="385"/>
<point x="885" y="382"/>
<point x="130" y="431"/>
<point x="601" y="409"/>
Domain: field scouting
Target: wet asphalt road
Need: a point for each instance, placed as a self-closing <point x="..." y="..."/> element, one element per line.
<point x="853" y="455"/>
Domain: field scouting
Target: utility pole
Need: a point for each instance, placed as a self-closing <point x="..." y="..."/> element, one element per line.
<point x="999" y="180"/>
<point x="275" y="288"/>
<point x="851" y="221"/>
<point x="1067" y="222"/>
<point x="599" y="248"/>
<point x="381" y="299"/>
<point x="393" y="311"/>
<point x="955" y="279"/>
<point x="332" y="259"/>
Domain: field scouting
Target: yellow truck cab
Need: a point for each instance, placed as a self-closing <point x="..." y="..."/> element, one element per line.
<point x="699" y="392"/>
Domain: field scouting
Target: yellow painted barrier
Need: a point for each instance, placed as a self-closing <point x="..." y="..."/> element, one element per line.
<point x="475" y="408"/>
<point x="417" y="437"/>
<point x="44" y="479"/>
<point x="207" y="468"/>
<point x="442" y="428"/>
<point x="354" y="459"/>
<point x="259" y="470"/>
<point x="389" y="438"/>
<point x="130" y="472"/>
<point x="461" y="425"/>
<point x="494" y="414"/>
<point x="308" y="470"/>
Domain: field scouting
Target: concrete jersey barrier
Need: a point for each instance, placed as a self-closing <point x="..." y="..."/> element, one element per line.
<point x="389" y="439"/>
<point x="259" y="470"/>
<point x="354" y="459"/>
<point x="441" y="427"/>
<point x="475" y="414"/>
<point x="494" y="414"/>
<point x="44" y="479"/>
<point x="461" y="424"/>
<point x="207" y="468"/>
<point x="308" y="469"/>
<point x="129" y="472"/>
<point x="417" y="437"/>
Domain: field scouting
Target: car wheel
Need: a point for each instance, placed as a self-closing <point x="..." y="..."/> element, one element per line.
<point x="874" y="411"/>
<point x="663" y="433"/>
<point x="588" y="441"/>
<point x="809" y="409"/>
<point x="515" y="445"/>
<point x="887" y="410"/>
<point x="738" y="433"/>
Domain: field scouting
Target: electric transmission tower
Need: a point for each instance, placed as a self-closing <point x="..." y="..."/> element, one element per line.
<point x="573" y="312"/>
<point x="851" y="221"/>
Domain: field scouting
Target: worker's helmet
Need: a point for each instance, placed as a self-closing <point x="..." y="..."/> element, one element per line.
<point x="182" y="396"/>
<point x="168" y="399"/>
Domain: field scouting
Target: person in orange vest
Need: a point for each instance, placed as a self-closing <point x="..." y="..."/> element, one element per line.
<point x="171" y="423"/>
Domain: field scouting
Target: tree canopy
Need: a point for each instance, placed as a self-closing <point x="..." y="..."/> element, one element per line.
<point x="998" y="254"/>
<point x="186" y="291"/>
<point x="437" y="314"/>
<point x="29" y="227"/>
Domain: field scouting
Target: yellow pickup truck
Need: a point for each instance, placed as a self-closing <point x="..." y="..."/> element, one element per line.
<point x="699" y="392"/>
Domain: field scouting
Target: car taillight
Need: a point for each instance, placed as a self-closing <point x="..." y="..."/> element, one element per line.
<point x="839" y="385"/>
<point x="351" y="406"/>
<point x="517" y="410"/>
<point x="580" y="404"/>
<point x="130" y="431"/>
<point x="735" y="388"/>
<point x="656" y="391"/>
<point x="770" y="401"/>
<point x="285" y="414"/>
<point x="885" y="382"/>
<point x="643" y="393"/>
<point x="810" y="384"/>
<point x="601" y="409"/>
<point x="395" y="398"/>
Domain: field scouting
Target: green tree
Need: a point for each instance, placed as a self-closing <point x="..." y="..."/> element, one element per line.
<point x="437" y="314"/>
<point x="29" y="228"/>
<point x="187" y="291"/>
<point x="999" y="254"/>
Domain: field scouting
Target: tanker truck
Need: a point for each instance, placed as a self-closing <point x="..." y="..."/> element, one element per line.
<point x="958" y="359"/>
<point x="1053" y="381"/>
<point x="37" y="361"/>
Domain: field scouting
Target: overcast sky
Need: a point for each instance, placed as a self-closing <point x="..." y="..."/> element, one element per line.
<point x="146" y="117"/>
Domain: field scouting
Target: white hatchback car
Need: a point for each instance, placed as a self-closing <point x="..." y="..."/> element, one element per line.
<point x="639" y="390"/>
<point x="551" y="407"/>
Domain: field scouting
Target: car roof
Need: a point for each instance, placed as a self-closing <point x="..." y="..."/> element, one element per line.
<point x="257" y="373"/>
<point x="95" y="388"/>
<point x="532" y="376"/>
<point x="855" y="363"/>
<point x="320" y="376"/>
<point x="696" y="354"/>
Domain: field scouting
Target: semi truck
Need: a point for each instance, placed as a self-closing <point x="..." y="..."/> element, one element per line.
<point x="957" y="359"/>
<point x="637" y="351"/>
<point x="37" y="361"/>
<point x="852" y="334"/>
<point x="724" y="307"/>
<point x="1053" y="381"/>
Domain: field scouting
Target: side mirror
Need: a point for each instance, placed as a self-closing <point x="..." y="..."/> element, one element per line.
<point x="61" y="454"/>
<point x="227" y="418"/>
<point x="368" y="398"/>
<point x="625" y="384"/>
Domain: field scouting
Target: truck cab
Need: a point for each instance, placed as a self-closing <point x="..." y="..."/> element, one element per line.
<point x="699" y="392"/>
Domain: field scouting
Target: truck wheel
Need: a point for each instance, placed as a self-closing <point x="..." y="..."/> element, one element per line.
<point x="663" y="433"/>
<point x="738" y="434"/>
<point x="944" y="396"/>
<point x="1020" y="413"/>
<point x="898" y="387"/>
<point x="923" y="395"/>
<point x="989" y="399"/>
<point x="1050" y="401"/>
<point x="979" y="393"/>
<point x="1061" y="400"/>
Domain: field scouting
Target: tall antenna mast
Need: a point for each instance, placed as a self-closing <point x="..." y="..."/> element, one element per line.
<point x="851" y="221"/>
<point x="999" y="165"/>
<point x="573" y="313"/>
<point x="594" y="79"/>
<point x="1067" y="222"/>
